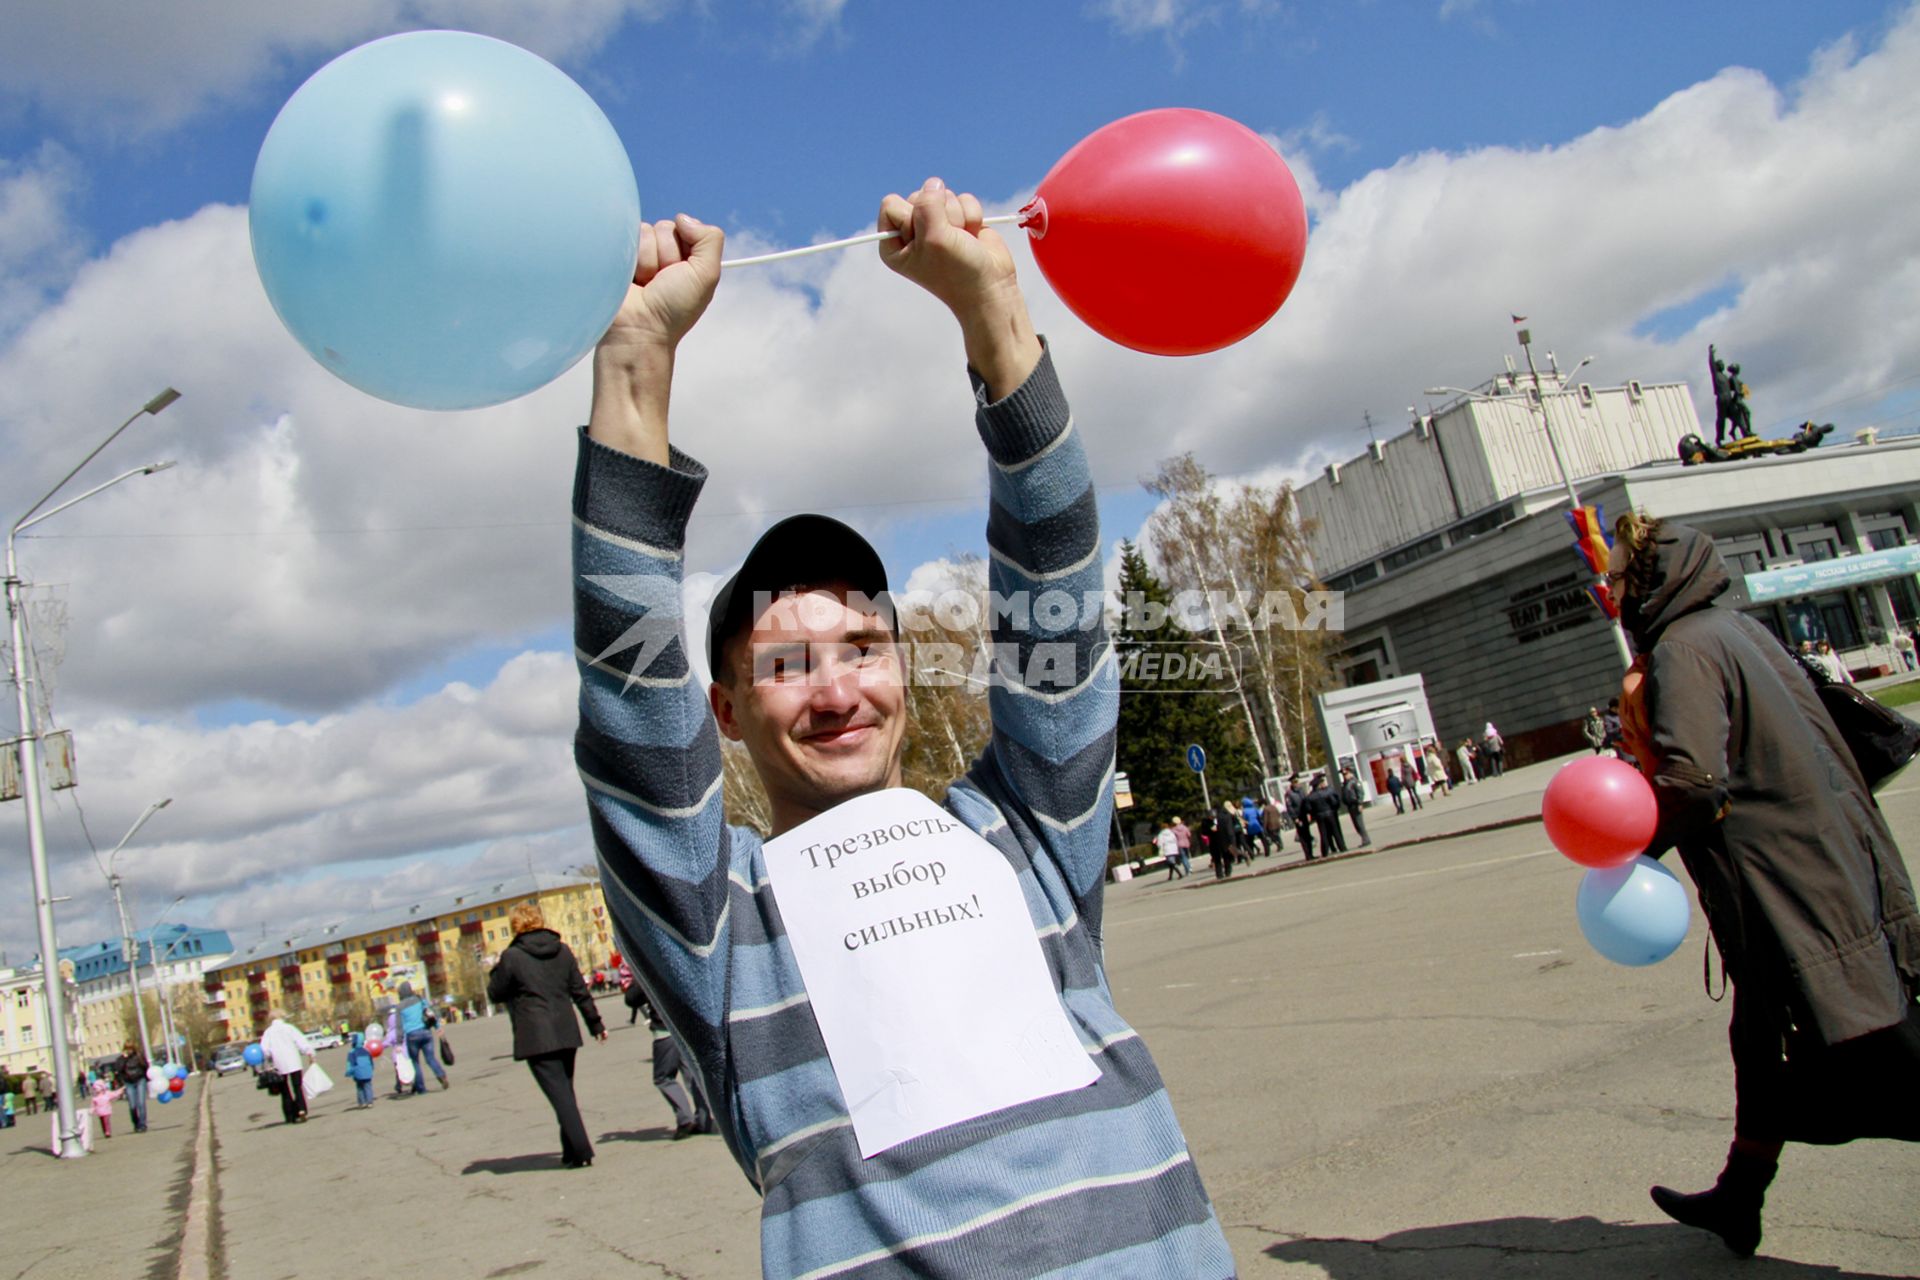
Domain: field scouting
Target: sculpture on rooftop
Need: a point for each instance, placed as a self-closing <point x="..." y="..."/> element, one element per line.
<point x="1729" y="401"/>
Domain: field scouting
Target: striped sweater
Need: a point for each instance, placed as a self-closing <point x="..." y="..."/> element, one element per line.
<point x="1095" y="1182"/>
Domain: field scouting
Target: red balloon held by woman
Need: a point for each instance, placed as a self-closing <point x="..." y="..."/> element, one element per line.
<point x="1173" y="232"/>
<point x="1599" y="811"/>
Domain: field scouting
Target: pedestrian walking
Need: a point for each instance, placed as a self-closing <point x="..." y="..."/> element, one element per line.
<point x="1302" y="819"/>
<point x="1214" y="840"/>
<point x="1168" y="846"/>
<point x="1801" y="882"/>
<point x="30" y="1092"/>
<point x="101" y="1100"/>
<point x="1239" y="848"/>
<point x="1436" y="770"/>
<point x="1255" y="828"/>
<point x="1354" y="798"/>
<point x="131" y="1073"/>
<point x="1411" y="781"/>
<point x="360" y="1070"/>
<point x="1830" y="663"/>
<point x="1594" y="729"/>
<point x="1495" y="748"/>
<point x="396" y="1042"/>
<point x="1274" y="819"/>
<point x="1394" y="789"/>
<point x="690" y="1114"/>
<point x="1324" y="807"/>
<point x="539" y="982"/>
<point x="287" y="1053"/>
<point x="1183" y="836"/>
<point x="417" y="1023"/>
<point x="1464" y="753"/>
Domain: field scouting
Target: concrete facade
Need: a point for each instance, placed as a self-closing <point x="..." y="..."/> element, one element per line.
<point x="26" y="1037"/>
<point x="1499" y="625"/>
<point x="1458" y="472"/>
<point x="172" y="960"/>
<point x="343" y="970"/>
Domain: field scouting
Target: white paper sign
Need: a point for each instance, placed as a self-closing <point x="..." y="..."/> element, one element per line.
<point x="922" y="967"/>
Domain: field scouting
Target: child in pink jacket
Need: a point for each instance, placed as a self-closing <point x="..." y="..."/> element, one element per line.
<point x="103" y="1099"/>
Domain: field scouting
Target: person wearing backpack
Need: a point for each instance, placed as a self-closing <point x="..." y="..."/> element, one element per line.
<point x="1798" y="874"/>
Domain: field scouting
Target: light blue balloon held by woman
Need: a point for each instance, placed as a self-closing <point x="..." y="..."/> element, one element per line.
<point x="1635" y="914"/>
<point x="444" y="220"/>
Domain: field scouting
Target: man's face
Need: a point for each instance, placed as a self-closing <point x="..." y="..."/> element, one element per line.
<point x="814" y="691"/>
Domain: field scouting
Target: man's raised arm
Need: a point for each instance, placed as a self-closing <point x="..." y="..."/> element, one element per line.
<point x="646" y="747"/>
<point x="1053" y="716"/>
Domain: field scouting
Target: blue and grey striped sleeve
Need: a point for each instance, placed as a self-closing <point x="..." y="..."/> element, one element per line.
<point x="647" y="748"/>
<point x="1055" y="693"/>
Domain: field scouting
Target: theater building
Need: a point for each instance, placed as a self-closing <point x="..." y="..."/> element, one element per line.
<point x="1451" y="545"/>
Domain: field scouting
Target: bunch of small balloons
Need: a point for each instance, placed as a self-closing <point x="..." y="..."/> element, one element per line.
<point x="447" y="221"/>
<point x="1601" y="813"/>
<point x="167" y="1081"/>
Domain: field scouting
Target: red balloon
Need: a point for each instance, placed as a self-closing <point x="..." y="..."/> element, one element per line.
<point x="374" y="1048"/>
<point x="176" y="1085"/>
<point x="1173" y="232"/>
<point x="1599" y="811"/>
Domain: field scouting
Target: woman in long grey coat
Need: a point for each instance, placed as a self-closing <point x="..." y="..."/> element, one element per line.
<point x="1802" y="884"/>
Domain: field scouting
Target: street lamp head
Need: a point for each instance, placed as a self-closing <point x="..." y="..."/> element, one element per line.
<point x="152" y="467"/>
<point x="160" y="401"/>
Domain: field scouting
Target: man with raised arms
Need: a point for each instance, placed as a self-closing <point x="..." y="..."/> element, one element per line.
<point x="1095" y="1180"/>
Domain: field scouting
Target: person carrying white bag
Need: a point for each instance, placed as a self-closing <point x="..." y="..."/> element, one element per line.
<point x="402" y="1064"/>
<point x="314" y="1081"/>
<point x="287" y="1054"/>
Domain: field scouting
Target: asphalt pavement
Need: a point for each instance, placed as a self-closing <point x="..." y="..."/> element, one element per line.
<point x="1405" y="1063"/>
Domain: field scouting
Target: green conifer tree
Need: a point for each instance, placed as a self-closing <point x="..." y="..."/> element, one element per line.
<point x="1164" y="707"/>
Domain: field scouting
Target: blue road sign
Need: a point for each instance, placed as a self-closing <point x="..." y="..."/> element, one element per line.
<point x="1196" y="759"/>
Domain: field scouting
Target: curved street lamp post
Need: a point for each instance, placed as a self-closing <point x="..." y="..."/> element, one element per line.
<point x="21" y="670"/>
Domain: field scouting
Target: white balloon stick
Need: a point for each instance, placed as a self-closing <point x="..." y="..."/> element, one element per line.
<point x="871" y="237"/>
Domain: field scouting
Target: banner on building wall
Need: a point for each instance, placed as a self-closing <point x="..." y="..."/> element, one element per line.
<point x="1832" y="575"/>
<point x="386" y="982"/>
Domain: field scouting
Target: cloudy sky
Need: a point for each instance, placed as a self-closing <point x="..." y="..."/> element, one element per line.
<point x="335" y="634"/>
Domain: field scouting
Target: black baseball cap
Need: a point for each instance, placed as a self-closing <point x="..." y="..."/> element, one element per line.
<point x="808" y="549"/>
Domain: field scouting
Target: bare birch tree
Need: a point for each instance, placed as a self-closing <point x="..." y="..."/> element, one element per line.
<point x="1243" y="547"/>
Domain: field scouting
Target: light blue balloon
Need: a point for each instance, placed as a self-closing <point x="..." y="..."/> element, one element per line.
<point x="444" y="220"/>
<point x="254" y="1057"/>
<point x="178" y="1071"/>
<point x="1635" y="914"/>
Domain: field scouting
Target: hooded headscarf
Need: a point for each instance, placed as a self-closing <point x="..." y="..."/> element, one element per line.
<point x="1686" y="574"/>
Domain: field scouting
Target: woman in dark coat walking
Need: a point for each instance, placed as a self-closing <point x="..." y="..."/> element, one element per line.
<point x="1802" y="884"/>
<point x="539" y="981"/>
